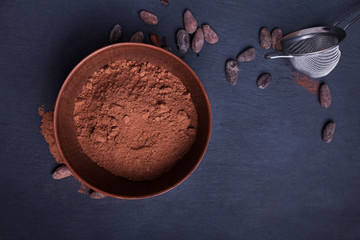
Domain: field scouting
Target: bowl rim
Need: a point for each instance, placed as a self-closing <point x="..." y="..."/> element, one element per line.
<point x="66" y="82"/>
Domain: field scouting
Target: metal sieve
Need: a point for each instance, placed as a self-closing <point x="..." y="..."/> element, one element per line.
<point x="313" y="51"/>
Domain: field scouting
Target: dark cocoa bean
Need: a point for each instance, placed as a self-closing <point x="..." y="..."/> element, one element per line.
<point x="276" y="35"/>
<point x="115" y="33"/>
<point x="164" y="43"/>
<point x="155" y="40"/>
<point x="148" y="17"/>
<point x="264" y="80"/>
<point x="137" y="37"/>
<point x="232" y="70"/>
<point x="209" y="34"/>
<point x="168" y="48"/>
<point x="198" y="41"/>
<point x="190" y="22"/>
<point x="165" y="2"/>
<point x="97" y="195"/>
<point x="247" y="55"/>
<point x="183" y="41"/>
<point x="265" y="39"/>
<point x="61" y="172"/>
<point x="325" y="96"/>
<point x="328" y="132"/>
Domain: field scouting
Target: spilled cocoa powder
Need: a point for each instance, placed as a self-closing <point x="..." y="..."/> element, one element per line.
<point x="47" y="130"/>
<point x="135" y="119"/>
<point x="308" y="83"/>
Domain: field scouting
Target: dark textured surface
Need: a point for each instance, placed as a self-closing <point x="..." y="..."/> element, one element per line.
<point x="266" y="174"/>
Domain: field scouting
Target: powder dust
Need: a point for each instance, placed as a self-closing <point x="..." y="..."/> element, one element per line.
<point x="309" y="84"/>
<point x="135" y="119"/>
<point x="47" y="130"/>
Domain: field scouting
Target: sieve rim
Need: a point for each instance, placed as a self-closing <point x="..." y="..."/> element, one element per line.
<point x="337" y="32"/>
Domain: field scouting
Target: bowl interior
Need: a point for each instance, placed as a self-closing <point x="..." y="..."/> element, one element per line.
<point x="98" y="178"/>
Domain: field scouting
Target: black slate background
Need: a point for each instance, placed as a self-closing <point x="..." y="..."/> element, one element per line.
<point x="266" y="173"/>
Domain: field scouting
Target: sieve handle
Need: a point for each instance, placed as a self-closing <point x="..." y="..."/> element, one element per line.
<point x="348" y="15"/>
<point x="274" y="55"/>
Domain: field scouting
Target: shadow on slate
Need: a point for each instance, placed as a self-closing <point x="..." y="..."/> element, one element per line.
<point x="81" y="40"/>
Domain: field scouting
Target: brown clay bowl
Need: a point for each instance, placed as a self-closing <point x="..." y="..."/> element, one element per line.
<point x="99" y="179"/>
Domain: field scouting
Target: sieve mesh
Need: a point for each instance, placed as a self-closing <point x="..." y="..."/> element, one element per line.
<point x="312" y="44"/>
<point x="319" y="64"/>
<point x="316" y="55"/>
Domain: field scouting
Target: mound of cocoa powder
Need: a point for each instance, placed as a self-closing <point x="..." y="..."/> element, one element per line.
<point x="135" y="119"/>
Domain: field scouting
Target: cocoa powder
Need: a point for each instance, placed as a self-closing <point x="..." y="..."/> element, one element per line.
<point x="135" y="119"/>
<point x="47" y="130"/>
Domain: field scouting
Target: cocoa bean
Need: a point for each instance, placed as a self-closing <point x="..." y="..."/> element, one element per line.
<point x="247" y="55"/>
<point x="265" y="39"/>
<point x="115" y="33"/>
<point x="325" y="96"/>
<point x="190" y="22"/>
<point x="148" y="17"/>
<point x="276" y="35"/>
<point x="155" y="40"/>
<point x="183" y="41"/>
<point x="96" y="195"/>
<point x="164" y="44"/>
<point x="209" y="34"/>
<point x="165" y="2"/>
<point x="264" y="80"/>
<point x="137" y="37"/>
<point x="328" y="132"/>
<point x="232" y="70"/>
<point x="61" y="172"/>
<point x="198" y="41"/>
